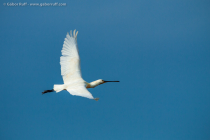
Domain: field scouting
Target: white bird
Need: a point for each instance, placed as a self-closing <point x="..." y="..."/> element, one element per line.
<point x="71" y="72"/>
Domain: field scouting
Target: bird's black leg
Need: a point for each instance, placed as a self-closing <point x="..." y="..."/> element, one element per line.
<point x="46" y="91"/>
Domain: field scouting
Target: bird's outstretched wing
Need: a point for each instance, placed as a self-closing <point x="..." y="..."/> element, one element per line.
<point x="69" y="61"/>
<point x="80" y="91"/>
<point x="70" y="67"/>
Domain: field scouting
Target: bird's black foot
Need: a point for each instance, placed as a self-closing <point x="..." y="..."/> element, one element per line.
<point x="96" y="99"/>
<point x="46" y="91"/>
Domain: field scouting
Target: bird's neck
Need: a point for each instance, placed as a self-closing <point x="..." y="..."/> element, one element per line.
<point x="93" y="84"/>
<point x="88" y="85"/>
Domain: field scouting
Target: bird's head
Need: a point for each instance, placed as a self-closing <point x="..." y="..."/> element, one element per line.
<point x="98" y="82"/>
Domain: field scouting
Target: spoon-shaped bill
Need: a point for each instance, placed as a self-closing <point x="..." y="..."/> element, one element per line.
<point x="111" y="81"/>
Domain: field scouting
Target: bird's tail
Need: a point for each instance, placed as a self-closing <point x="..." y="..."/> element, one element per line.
<point x="58" y="88"/>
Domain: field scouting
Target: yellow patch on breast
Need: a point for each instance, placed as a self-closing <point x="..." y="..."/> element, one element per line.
<point x="88" y="86"/>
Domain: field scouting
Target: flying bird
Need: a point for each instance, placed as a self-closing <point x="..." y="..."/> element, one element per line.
<point x="71" y="72"/>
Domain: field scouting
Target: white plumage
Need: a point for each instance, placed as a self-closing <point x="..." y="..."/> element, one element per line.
<point x="71" y="72"/>
<point x="70" y="68"/>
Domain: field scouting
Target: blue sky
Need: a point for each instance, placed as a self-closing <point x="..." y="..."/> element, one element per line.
<point x="159" y="50"/>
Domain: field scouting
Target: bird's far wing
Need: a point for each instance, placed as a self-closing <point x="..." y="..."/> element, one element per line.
<point x="80" y="91"/>
<point x="69" y="61"/>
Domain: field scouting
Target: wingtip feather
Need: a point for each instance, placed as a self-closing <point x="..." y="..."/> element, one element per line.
<point x="72" y="34"/>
